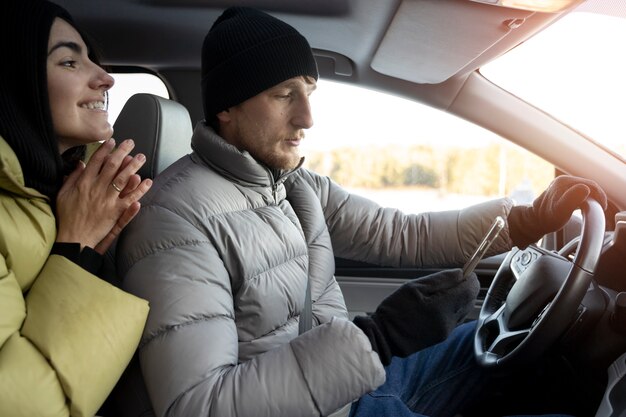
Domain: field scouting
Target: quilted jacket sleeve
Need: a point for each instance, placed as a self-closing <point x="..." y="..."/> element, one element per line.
<point x="64" y="346"/>
<point x="362" y="230"/>
<point x="189" y="350"/>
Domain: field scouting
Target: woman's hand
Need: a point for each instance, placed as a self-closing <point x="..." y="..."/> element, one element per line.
<point x="99" y="199"/>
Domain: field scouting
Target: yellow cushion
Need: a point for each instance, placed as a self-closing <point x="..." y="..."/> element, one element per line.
<point x="87" y="328"/>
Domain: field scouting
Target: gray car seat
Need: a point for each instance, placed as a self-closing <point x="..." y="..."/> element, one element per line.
<point x="161" y="129"/>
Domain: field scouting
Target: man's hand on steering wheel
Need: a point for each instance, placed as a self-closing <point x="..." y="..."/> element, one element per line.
<point x="536" y="293"/>
<point x="552" y="209"/>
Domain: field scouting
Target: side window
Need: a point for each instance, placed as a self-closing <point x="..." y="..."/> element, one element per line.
<point x="127" y="84"/>
<point x="406" y="155"/>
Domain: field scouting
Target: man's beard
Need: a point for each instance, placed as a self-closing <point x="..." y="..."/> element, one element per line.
<point x="275" y="161"/>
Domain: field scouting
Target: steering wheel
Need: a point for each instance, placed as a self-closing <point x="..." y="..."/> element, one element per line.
<point x="535" y="296"/>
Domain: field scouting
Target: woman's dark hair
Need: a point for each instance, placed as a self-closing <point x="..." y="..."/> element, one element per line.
<point x="25" y="117"/>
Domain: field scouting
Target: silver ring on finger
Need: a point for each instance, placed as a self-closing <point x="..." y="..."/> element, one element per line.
<point x="115" y="187"/>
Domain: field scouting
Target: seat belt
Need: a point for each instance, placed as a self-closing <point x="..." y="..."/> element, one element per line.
<point x="303" y="193"/>
<point x="306" y="316"/>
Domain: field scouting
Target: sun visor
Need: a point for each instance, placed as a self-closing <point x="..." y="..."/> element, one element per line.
<point x="429" y="41"/>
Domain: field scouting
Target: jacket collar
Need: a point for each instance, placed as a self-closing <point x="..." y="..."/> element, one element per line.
<point x="11" y="175"/>
<point x="238" y="166"/>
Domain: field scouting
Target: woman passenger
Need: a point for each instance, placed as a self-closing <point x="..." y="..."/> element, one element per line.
<point x="66" y="336"/>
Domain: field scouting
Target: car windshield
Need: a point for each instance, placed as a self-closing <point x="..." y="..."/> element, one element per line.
<point x="574" y="74"/>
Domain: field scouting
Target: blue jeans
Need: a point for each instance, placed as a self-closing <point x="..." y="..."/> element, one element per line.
<point x="440" y="381"/>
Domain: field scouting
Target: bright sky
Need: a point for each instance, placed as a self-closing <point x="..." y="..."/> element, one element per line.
<point x="345" y="114"/>
<point x="574" y="70"/>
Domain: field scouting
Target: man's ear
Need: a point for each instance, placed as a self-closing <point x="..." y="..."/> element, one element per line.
<point x="224" y="116"/>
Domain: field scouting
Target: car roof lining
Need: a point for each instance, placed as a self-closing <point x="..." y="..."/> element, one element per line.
<point x="317" y="7"/>
<point x="359" y="43"/>
<point x="362" y="30"/>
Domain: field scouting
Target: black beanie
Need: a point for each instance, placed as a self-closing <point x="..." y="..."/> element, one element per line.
<point x="25" y="118"/>
<point x="246" y="52"/>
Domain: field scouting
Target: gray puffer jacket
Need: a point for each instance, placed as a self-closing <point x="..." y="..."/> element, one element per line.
<point x="223" y="248"/>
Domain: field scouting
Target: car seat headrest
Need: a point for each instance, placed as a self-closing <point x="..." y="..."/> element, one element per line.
<point x="161" y="129"/>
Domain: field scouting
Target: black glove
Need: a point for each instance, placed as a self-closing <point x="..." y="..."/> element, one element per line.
<point x="420" y="313"/>
<point x="552" y="209"/>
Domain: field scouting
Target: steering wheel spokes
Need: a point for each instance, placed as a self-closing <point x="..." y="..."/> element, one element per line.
<point x="500" y="339"/>
<point x="534" y="297"/>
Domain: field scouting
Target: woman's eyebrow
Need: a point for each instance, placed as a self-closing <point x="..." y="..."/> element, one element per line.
<point x="71" y="45"/>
